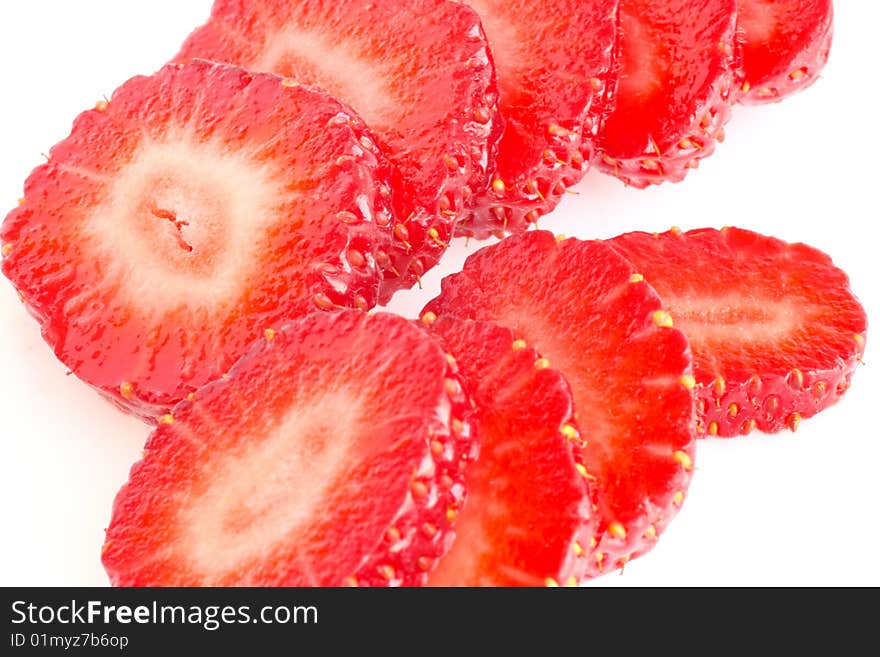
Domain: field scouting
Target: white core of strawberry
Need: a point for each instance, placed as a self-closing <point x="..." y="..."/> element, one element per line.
<point x="336" y="67"/>
<point x="249" y="501"/>
<point x="188" y="217"/>
<point x="758" y="19"/>
<point x="734" y="319"/>
<point x="513" y="60"/>
<point x="644" y="60"/>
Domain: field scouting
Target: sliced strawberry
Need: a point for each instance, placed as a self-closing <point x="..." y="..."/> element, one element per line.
<point x="420" y="74"/>
<point x="197" y="209"/>
<point x="527" y="519"/>
<point x="775" y="330"/>
<point x="583" y="307"/>
<point x="553" y="60"/>
<point x="785" y="46"/>
<point x="673" y="97"/>
<point x="332" y="455"/>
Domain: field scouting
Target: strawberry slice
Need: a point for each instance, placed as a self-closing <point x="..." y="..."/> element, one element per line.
<point x="527" y="517"/>
<point x="785" y="46"/>
<point x="775" y="330"/>
<point x="420" y="74"/>
<point x="673" y="97"/>
<point x="587" y="311"/>
<point x="553" y="60"/>
<point x="196" y="209"/>
<point x="332" y="455"/>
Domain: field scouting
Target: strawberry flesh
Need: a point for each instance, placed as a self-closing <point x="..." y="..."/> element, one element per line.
<point x="198" y="208"/>
<point x="785" y="46"/>
<point x="553" y="60"/>
<point x="420" y="74"/>
<point x="527" y="519"/>
<point x="581" y="306"/>
<point x="676" y="63"/>
<point x="331" y="455"/>
<point x="775" y="330"/>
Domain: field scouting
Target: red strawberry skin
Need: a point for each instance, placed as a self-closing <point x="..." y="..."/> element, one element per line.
<point x="554" y="62"/>
<point x="331" y="455"/>
<point x="527" y="520"/>
<point x="420" y="74"/>
<point x="585" y="309"/>
<point x="676" y="72"/>
<point x="180" y="220"/>
<point x="785" y="46"/>
<point x="775" y="330"/>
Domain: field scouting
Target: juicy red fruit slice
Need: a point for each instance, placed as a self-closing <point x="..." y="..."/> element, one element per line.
<point x="785" y="46"/>
<point x="198" y="208"/>
<point x="332" y="455"/>
<point x="554" y="63"/>
<point x="775" y="330"/>
<point x="527" y="519"/>
<point x="676" y="62"/>
<point x="420" y="74"/>
<point x="585" y="309"/>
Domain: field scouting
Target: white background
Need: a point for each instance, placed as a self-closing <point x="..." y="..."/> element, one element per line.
<point x="792" y="509"/>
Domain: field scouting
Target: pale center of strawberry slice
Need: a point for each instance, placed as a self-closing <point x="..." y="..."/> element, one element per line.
<point x="734" y="319"/>
<point x="758" y="19"/>
<point x="271" y="492"/>
<point x="312" y="58"/>
<point x="644" y="72"/>
<point x="515" y="62"/>
<point x="184" y="213"/>
<point x="189" y="217"/>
